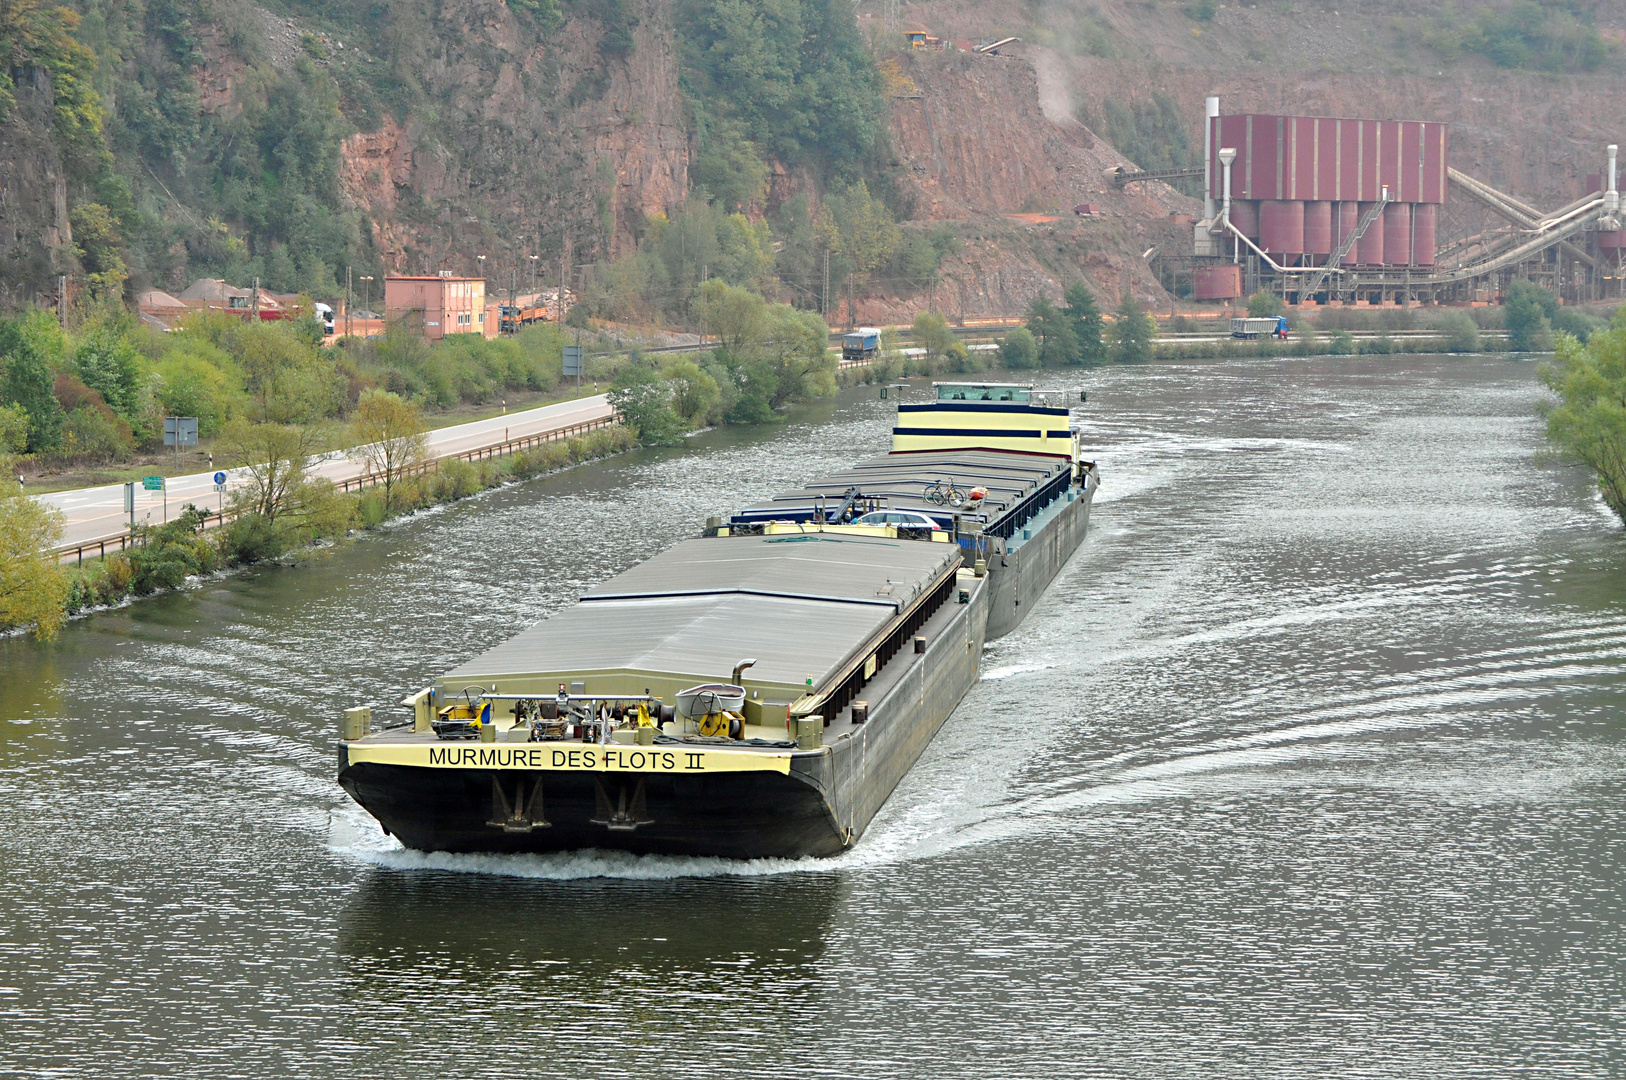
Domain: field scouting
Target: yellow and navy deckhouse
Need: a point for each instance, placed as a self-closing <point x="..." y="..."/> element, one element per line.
<point x="988" y="416"/>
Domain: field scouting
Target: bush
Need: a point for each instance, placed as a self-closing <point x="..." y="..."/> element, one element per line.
<point x="1019" y="350"/>
<point x="171" y="553"/>
<point x="1134" y="333"/>
<point x="1266" y="305"/>
<point x="1458" y="333"/>
<point x="1527" y="313"/>
<point x="1527" y="35"/>
<point x="455" y="479"/>
<point x="1576" y="324"/>
<point x="643" y="401"/>
<point x="1586" y="423"/>
<point x="92" y="432"/>
<point x="252" y="538"/>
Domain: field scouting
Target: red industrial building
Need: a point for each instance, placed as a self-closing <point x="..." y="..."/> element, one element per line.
<point x="1301" y="184"/>
<point x="1334" y="209"/>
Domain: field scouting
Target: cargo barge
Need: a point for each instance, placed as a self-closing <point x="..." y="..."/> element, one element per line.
<point x="759" y="690"/>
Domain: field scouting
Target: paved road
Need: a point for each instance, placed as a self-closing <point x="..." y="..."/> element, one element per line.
<point x="94" y="513"/>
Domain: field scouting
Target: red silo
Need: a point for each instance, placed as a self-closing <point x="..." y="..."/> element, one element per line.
<point x="1423" y="218"/>
<point x="1318" y="228"/>
<point x="1281" y="227"/>
<point x="1245" y="216"/>
<point x="1369" y="248"/>
<point x="1613" y="240"/>
<point x="1397" y="234"/>
<point x="1345" y="217"/>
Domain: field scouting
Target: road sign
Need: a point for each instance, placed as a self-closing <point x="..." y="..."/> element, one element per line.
<point x="129" y="497"/>
<point x="180" y="431"/>
<point x="152" y="483"/>
<point x="573" y="360"/>
<point x="220" y="479"/>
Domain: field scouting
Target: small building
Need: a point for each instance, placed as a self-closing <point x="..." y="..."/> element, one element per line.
<point x="214" y="294"/>
<point x="1087" y="209"/>
<point x="439" y="304"/>
<point x="160" y="310"/>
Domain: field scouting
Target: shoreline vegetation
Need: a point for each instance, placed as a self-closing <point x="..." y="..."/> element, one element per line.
<point x="278" y="397"/>
<point x="38" y="593"/>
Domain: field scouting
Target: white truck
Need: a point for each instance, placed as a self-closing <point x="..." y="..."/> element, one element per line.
<point x="1268" y="326"/>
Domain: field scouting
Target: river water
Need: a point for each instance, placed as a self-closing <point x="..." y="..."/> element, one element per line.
<point x="1309" y="763"/>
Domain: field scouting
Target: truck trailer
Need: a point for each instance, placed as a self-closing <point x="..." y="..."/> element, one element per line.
<point x="1274" y="326"/>
<point x="861" y="344"/>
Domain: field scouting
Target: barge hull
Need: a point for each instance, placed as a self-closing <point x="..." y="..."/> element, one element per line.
<point x="746" y="815"/>
<point x="1025" y="573"/>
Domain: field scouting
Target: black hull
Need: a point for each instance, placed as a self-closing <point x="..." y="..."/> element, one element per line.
<point x="745" y="815"/>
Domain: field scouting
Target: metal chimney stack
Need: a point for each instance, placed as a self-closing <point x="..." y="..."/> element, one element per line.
<point x="1226" y="156"/>
<point x="1210" y="113"/>
<point x="1611" y="196"/>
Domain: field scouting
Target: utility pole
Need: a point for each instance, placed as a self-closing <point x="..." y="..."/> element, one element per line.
<point x="824" y="294"/>
<point x="564" y="276"/>
<point x="253" y="316"/>
<point x="62" y="299"/>
<point x="349" y="301"/>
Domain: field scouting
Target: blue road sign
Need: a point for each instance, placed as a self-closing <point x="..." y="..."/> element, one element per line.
<point x="220" y="478"/>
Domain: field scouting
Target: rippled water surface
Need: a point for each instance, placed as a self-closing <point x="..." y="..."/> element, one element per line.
<point x="1309" y="764"/>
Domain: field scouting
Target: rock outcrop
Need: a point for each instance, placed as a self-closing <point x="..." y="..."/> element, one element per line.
<point x="36" y="241"/>
<point x="537" y="139"/>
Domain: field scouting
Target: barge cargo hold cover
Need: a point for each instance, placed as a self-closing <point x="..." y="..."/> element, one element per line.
<point x="812" y="646"/>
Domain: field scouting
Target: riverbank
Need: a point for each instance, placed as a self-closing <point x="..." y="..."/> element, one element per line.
<point x="1303" y="345"/>
<point x="167" y="555"/>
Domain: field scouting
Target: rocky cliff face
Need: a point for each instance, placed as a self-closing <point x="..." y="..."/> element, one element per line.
<point x="977" y="149"/>
<point x="538" y="140"/>
<point x="36" y="243"/>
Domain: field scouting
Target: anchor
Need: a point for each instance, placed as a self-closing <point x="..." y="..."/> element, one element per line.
<point x="524" y="814"/>
<point x="620" y="817"/>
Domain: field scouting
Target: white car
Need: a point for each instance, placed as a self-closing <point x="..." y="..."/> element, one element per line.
<point x="903" y="519"/>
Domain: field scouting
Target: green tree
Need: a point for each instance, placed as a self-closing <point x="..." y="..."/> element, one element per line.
<point x="274" y="457"/>
<point x="1266" y="305"/>
<point x="13" y="433"/>
<point x="736" y="317"/>
<point x="643" y="402"/>
<point x="790" y="76"/>
<point x="389" y="438"/>
<point x="1085" y="319"/>
<point x="695" y="393"/>
<point x="1053" y="329"/>
<point x="866" y="234"/>
<point x="1019" y="350"/>
<point x="1134" y="333"/>
<point x="31" y="347"/>
<point x="33" y="588"/>
<point x="1527" y="313"/>
<point x="931" y="332"/>
<point x="1587" y="422"/>
<point x="111" y="365"/>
